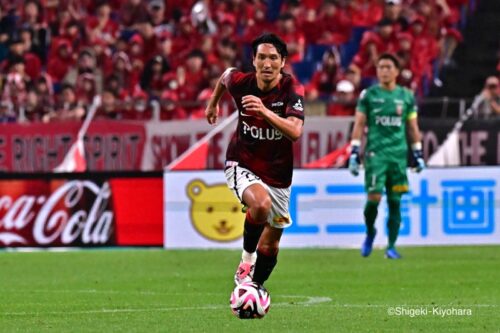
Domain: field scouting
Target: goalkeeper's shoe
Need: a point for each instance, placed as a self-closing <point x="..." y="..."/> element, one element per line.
<point x="391" y="253"/>
<point x="367" y="246"/>
<point x="244" y="273"/>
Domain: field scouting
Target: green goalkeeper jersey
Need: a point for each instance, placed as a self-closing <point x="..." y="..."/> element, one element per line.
<point x="386" y="115"/>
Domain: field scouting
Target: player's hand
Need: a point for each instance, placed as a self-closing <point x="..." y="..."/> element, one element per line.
<point x="354" y="161"/>
<point x="253" y="105"/>
<point x="212" y="114"/>
<point x="418" y="157"/>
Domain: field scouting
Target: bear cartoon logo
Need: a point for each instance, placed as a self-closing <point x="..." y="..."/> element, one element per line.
<point x="215" y="212"/>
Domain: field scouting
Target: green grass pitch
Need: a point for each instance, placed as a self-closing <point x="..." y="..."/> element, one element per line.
<point x="312" y="290"/>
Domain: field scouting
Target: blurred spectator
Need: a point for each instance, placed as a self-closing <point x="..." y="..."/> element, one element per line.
<point x="335" y="24"/>
<point x="256" y="25"/>
<point x="487" y="103"/>
<point x="60" y="63"/>
<point x="295" y="39"/>
<point x="31" y="61"/>
<point x="184" y="39"/>
<point x="343" y="102"/>
<point x="67" y="107"/>
<point x="85" y="89"/>
<point x="7" y="114"/>
<point x="409" y="72"/>
<point x="227" y="54"/>
<point x="157" y="19"/>
<point x="201" y="20"/>
<point x="34" y="109"/>
<point x="325" y="78"/>
<point x="365" y="13"/>
<point x="101" y="28"/>
<point x="353" y="75"/>
<point x="152" y="76"/>
<point x="86" y="64"/>
<point x="170" y="108"/>
<point x="133" y="11"/>
<point x="15" y="83"/>
<point x="372" y="45"/>
<point x="109" y="108"/>
<point x="121" y="69"/>
<point x="34" y="20"/>
<point x="393" y="12"/>
<point x="191" y="79"/>
<point x="425" y="48"/>
<point x="45" y="96"/>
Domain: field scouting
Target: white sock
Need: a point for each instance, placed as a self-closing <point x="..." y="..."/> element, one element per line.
<point x="249" y="257"/>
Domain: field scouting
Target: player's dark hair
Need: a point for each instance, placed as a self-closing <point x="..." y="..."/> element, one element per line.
<point x="391" y="57"/>
<point x="269" y="38"/>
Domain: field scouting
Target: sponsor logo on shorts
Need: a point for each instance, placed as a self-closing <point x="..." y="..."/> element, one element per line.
<point x="281" y="220"/>
<point x="400" y="188"/>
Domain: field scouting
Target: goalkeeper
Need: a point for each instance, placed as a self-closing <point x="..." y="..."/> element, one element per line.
<point x="387" y="110"/>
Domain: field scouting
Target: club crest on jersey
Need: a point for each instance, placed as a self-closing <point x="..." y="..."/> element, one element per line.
<point x="298" y="106"/>
<point x="399" y="109"/>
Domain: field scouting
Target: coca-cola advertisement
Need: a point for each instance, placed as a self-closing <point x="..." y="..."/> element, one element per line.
<point x="56" y="212"/>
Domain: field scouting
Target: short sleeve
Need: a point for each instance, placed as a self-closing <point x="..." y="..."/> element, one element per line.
<point x="295" y="107"/>
<point x="412" y="106"/>
<point x="227" y="77"/>
<point x="362" y="105"/>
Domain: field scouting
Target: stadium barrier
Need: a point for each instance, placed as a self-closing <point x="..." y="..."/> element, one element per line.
<point x="148" y="146"/>
<point x="445" y="207"/>
<point x="82" y="210"/>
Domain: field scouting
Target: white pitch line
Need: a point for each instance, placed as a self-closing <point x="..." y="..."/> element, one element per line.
<point x="309" y="301"/>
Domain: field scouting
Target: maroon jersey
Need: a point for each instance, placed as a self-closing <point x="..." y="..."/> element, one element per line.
<point x="256" y="145"/>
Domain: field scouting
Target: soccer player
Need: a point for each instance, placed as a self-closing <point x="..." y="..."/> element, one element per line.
<point x="387" y="109"/>
<point x="259" y="158"/>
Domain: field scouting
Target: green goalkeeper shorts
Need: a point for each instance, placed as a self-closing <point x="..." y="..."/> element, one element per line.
<point x="380" y="174"/>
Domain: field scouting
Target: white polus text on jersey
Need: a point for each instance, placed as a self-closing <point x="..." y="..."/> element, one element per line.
<point x="388" y="121"/>
<point x="51" y="222"/>
<point x="259" y="133"/>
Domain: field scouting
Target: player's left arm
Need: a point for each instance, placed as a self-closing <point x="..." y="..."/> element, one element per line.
<point x="291" y="127"/>
<point x="415" y="137"/>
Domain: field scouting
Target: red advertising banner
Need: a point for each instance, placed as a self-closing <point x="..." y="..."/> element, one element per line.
<point x="95" y="211"/>
<point x="44" y="213"/>
<point x="37" y="147"/>
<point x="138" y="206"/>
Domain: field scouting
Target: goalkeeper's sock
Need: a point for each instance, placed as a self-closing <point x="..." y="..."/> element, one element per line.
<point x="370" y="212"/>
<point x="394" y="221"/>
<point x="251" y="233"/>
<point x="264" y="266"/>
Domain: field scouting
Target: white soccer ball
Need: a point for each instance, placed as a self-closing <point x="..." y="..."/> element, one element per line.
<point x="250" y="300"/>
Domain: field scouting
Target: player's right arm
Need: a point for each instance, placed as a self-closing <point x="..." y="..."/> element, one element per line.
<point x="357" y="134"/>
<point x="212" y="110"/>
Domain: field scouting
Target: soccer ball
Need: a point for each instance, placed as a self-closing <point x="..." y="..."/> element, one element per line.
<point x="250" y="300"/>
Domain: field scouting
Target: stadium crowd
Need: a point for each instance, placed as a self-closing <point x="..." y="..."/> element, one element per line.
<point x="56" y="55"/>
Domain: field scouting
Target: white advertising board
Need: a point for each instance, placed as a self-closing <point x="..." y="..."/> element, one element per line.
<point x="444" y="207"/>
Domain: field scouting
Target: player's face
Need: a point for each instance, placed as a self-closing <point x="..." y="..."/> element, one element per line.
<point x="387" y="72"/>
<point x="268" y="63"/>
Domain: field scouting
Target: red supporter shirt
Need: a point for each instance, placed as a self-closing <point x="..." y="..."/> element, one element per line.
<point x="256" y="144"/>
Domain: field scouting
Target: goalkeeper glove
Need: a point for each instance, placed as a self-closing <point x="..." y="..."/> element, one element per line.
<point x="354" y="160"/>
<point x="418" y="156"/>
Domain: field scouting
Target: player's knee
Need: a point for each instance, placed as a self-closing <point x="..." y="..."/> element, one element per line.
<point x="374" y="197"/>
<point x="262" y="208"/>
